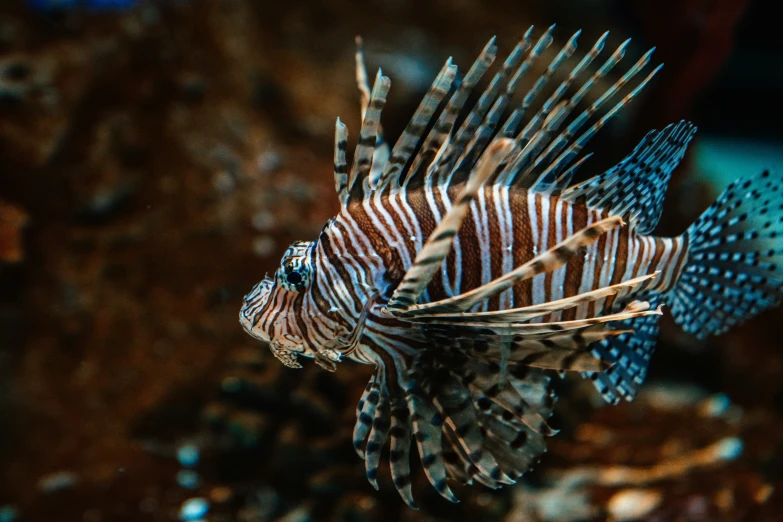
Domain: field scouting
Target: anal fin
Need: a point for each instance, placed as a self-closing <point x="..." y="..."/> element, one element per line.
<point x="629" y="355"/>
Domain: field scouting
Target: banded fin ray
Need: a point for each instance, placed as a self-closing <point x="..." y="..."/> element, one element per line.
<point x="444" y="171"/>
<point x="365" y="410"/>
<point x="634" y="309"/>
<point x="438" y="140"/>
<point x="382" y="151"/>
<point x="399" y="450"/>
<point x="427" y="432"/>
<point x="529" y="312"/>
<point x="489" y="126"/>
<point x="405" y="147"/>
<point x="358" y="176"/>
<point x="438" y="245"/>
<point x="550" y="260"/>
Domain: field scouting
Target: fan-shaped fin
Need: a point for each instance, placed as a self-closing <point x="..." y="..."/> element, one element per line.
<point x="636" y="186"/>
<point x="629" y="353"/>
<point x="455" y="404"/>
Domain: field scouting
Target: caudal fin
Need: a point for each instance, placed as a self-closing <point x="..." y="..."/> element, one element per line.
<point x="734" y="266"/>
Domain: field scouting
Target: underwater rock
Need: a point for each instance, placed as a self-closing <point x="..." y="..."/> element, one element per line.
<point x="57" y="481"/>
<point x="38" y="96"/>
<point x="194" y="509"/>
<point x="633" y="504"/>
<point x="13" y="219"/>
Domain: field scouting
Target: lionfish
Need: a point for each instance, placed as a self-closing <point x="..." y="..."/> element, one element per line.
<point x="469" y="270"/>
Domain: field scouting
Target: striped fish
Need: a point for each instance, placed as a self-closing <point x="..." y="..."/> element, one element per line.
<point x="466" y="267"/>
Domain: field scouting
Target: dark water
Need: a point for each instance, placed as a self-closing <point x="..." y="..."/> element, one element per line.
<point x="156" y="158"/>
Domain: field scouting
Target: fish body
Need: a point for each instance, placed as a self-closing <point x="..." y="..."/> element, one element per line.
<point x="467" y="268"/>
<point x="504" y="228"/>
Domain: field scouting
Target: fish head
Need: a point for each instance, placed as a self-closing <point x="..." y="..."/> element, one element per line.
<point x="277" y="311"/>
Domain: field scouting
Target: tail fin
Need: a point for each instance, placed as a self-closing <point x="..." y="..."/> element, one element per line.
<point x="734" y="267"/>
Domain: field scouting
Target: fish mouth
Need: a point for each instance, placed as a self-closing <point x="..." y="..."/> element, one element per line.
<point x="247" y="320"/>
<point x="252" y="305"/>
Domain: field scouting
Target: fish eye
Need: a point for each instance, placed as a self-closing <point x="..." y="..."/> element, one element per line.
<point x="295" y="272"/>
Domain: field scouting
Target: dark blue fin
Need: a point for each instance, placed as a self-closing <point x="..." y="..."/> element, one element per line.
<point x="636" y="186"/>
<point x="629" y="354"/>
<point x="734" y="268"/>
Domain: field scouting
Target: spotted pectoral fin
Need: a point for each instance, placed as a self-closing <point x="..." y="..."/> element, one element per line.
<point x="427" y="432"/>
<point x="550" y="260"/>
<point x="365" y="410"/>
<point x="561" y="345"/>
<point x="495" y="422"/>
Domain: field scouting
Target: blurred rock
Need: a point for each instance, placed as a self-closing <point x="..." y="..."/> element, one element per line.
<point x="39" y="93"/>
<point x="632" y="504"/>
<point x="13" y="219"/>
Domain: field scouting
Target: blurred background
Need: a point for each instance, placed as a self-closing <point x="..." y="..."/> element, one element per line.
<point x="158" y="156"/>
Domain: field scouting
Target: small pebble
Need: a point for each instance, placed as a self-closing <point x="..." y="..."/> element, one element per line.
<point x="729" y="448"/>
<point x="223" y="182"/>
<point x="633" y="504"/>
<point x="57" y="481"/>
<point x="715" y="405"/>
<point x="264" y="221"/>
<point x="148" y="505"/>
<point x="231" y="385"/>
<point x="193" y="509"/>
<point x="264" y="246"/>
<point x="188" y="455"/>
<point x="269" y="162"/>
<point x="188" y="479"/>
<point x="220" y="494"/>
<point x="763" y="493"/>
